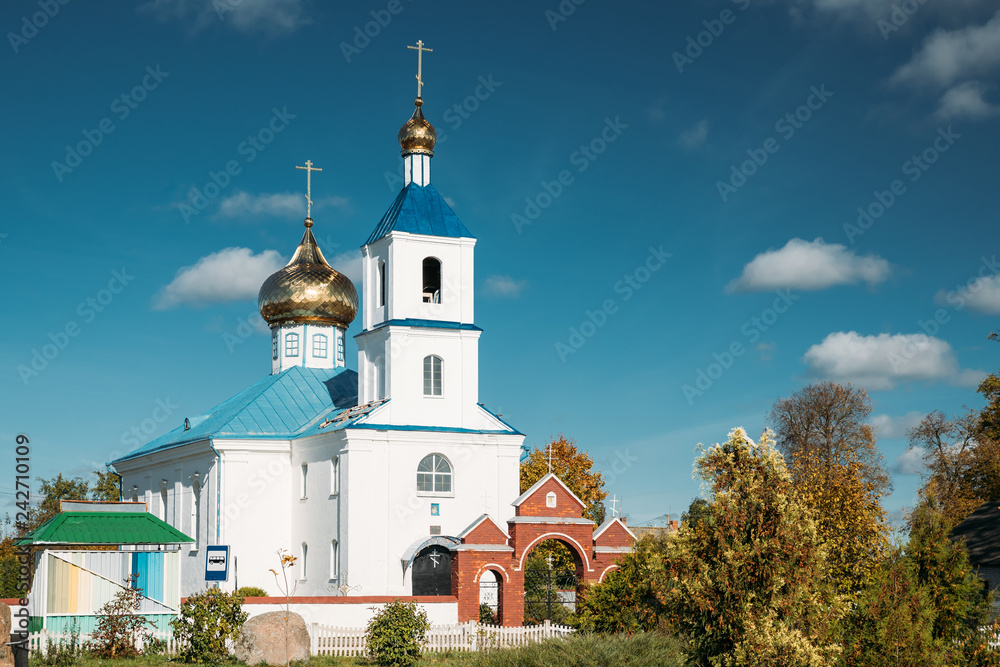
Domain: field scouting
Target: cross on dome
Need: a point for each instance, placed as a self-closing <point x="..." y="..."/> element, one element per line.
<point x="419" y="48"/>
<point x="309" y="170"/>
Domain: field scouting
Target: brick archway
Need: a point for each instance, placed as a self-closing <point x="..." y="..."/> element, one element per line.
<point x="548" y="510"/>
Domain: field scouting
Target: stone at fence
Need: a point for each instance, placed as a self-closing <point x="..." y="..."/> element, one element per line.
<point x="6" y="655"/>
<point x="262" y="639"/>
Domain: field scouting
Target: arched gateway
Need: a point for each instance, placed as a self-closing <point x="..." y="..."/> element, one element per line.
<point x="548" y="510"/>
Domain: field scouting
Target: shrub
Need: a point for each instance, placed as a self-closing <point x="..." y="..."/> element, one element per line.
<point x="119" y="626"/>
<point x="396" y="634"/>
<point x="252" y="592"/>
<point x="64" y="654"/>
<point x="587" y="650"/>
<point x="207" y="621"/>
<point x="486" y="615"/>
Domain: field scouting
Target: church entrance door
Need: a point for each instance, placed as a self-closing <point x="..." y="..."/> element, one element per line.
<point x="432" y="571"/>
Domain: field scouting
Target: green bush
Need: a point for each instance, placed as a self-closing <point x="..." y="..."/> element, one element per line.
<point x="206" y="622"/>
<point x="119" y="626"/>
<point x="252" y="592"/>
<point x="396" y="634"/>
<point x="64" y="654"/>
<point x="486" y="615"/>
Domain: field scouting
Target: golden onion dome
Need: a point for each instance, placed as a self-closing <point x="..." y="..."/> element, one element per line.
<point x="308" y="289"/>
<point x="417" y="135"/>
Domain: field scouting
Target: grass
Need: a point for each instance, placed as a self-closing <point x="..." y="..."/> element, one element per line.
<point x="580" y="650"/>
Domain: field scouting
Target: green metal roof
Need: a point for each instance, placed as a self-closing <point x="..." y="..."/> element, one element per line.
<point x="104" y="528"/>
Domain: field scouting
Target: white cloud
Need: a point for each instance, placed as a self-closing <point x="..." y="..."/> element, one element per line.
<point x="505" y="286"/>
<point x="896" y="427"/>
<point x="884" y="360"/>
<point x="965" y="100"/>
<point x="766" y="350"/>
<point x="910" y="462"/>
<point x="694" y="136"/>
<point x="249" y="16"/>
<point x="950" y="55"/>
<point x="233" y="274"/>
<point x="809" y="266"/>
<point x="982" y="294"/>
<point x="278" y="204"/>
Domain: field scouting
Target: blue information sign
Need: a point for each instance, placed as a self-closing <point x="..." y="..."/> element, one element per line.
<point x="217" y="563"/>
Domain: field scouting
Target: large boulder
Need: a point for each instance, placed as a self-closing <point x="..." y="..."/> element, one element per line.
<point x="262" y="639"/>
<point x="6" y="655"/>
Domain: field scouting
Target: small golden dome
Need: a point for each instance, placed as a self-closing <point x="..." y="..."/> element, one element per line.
<point x="417" y="135"/>
<point x="308" y="290"/>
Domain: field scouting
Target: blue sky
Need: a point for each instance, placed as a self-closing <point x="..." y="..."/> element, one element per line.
<point x="684" y="210"/>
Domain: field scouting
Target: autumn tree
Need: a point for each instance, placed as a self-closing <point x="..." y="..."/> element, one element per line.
<point x="698" y="511"/>
<point x="839" y="473"/>
<point x="574" y="468"/>
<point x="748" y="586"/>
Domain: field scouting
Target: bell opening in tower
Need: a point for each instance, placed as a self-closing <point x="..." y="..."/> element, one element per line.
<point x="432" y="280"/>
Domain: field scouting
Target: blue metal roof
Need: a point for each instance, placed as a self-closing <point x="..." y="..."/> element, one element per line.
<point x="420" y="210"/>
<point x="279" y="406"/>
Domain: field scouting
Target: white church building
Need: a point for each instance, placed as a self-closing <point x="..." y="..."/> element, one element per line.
<point x="369" y="478"/>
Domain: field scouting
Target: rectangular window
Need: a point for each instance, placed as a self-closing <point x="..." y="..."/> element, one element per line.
<point x="291" y="345"/>
<point x="196" y="515"/>
<point x="340" y="346"/>
<point x="319" y="346"/>
<point x="274" y="345"/>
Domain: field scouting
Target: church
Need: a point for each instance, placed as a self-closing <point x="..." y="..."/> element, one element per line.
<point x="372" y="479"/>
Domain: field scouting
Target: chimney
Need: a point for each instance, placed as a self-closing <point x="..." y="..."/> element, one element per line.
<point x="674" y="525"/>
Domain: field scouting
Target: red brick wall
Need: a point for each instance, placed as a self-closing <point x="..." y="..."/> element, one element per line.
<point x="566" y="505"/>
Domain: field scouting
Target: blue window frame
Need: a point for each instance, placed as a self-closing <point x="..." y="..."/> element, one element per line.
<point x="291" y="345"/>
<point x="319" y="346"/>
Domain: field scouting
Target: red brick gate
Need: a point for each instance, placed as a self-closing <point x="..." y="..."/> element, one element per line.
<point x="546" y="511"/>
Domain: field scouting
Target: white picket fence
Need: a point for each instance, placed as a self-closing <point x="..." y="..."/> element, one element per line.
<point x="329" y="640"/>
<point x="38" y="642"/>
<point x="471" y="636"/>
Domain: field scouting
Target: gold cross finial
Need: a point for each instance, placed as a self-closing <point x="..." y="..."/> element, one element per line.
<point x="419" y="48"/>
<point x="309" y="170"/>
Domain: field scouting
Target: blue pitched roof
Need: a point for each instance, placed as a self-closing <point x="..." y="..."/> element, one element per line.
<point x="420" y="210"/>
<point x="278" y="406"/>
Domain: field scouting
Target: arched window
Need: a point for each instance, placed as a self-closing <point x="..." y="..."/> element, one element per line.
<point x="291" y="345"/>
<point x="163" y="503"/>
<point x="196" y="513"/>
<point x="320" y="343"/>
<point x="305" y="555"/>
<point x="433" y="366"/>
<point x="340" y="346"/>
<point x="432" y="280"/>
<point x="434" y="474"/>
<point x="334" y="560"/>
<point x="305" y="480"/>
<point x="381" y="283"/>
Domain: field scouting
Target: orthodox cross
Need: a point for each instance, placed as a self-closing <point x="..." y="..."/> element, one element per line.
<point x="550" y="456"/>
<point x="309" y="170"/>
<point x="419" y="48"/>
<point x="614" y="504"/>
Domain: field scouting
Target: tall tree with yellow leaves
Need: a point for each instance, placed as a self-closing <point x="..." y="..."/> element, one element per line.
<point x="839" y="473"/>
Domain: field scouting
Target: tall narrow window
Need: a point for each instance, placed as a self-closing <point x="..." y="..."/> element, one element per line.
<point x="274" y="344"/>
<point x="334" y="560"/>
<point x="434" y="474"/>
<point x="381" y="283"/>
<point x="432" y="375"/>
<point x="432" y="280"/>
<point x="305" y="560"/>
<point x="334" y="475"/>
<point x="163" y="503"/>
<point x="196" y="514"/>
<point x="305" y="480"/>
<point x="340" y="346"/>
<point x="291" y="345"/>
<point x="320" y="343"/>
